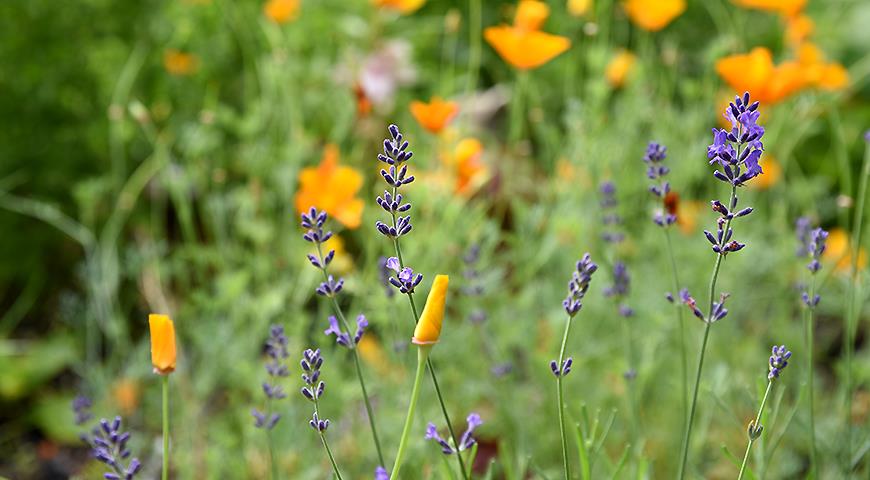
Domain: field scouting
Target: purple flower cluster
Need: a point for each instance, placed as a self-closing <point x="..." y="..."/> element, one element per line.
<point x="276" y="367"/>
<point x="384" y="275"/>
<point x="313" y="221"/>
<point x="395" y="155"/>
<point x="722" y="243"/>
<point x="405" y="280"/>
<point x="314" y="387"/>
<point x="778" y="361"/>
<point x="82" y="409"/>
<point x="109" y="446"/>
<point x="578" y="285"/>
<point x="619" y="289"/>
<point x="813" y="245"/>
<point x="610" y="218"/>
<point x="381" y="474"/>
<point x="739" y="150"/>
<point x="656" y="172"/>
<point x="465" y="442"/>
<point x="561" y="370"/>
<point x="718" y="313"/>
<point x="343" y="338"/>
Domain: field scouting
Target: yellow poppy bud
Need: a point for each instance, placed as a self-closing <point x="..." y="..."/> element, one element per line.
<point x="429" y="327"/>
<point x="162" y="343"/>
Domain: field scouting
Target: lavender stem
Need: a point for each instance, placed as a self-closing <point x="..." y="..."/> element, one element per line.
<point x="755" y="424"/>
<point x="808" y="319"/>
<point x="561" y="400"/>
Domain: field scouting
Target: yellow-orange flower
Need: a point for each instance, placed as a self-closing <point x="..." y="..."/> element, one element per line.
<point x="179" y="63"/>
<point x="126" y="394"/>
<point x="798" y="28"/>
<point x="281" y="11"/>
<point x="435" y="115"/>
<point x="653" y="15"/>
<point x="785" y="7"/>
<point x="522" y="44"/>
<point x="403" y="6"/>
<point x="771" y="176"/>
<point x="838" y="249"/>
<point x="578" y="8"/>
<point x="827" y="76"/>
<point x="756" y="73"/>
<point x="162" y="343"/>
<point x="331" y="187"/>
<point x="429" y="327"/>
<point x="619" y="68"/>
<point x="470" y="168"/>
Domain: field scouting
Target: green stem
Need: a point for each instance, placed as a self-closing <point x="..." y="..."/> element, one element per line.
<point x="325" y="443"/>
<point x="561" y="400"/>
<point x="755" y="425"/>
<point x="422" y="357"/>
<point x="708" y="323"/>
<point x="808" y="336"/>
<point x="518" y="108"/>
<point x="165" y="474"/>
<point x="683" y="350"/>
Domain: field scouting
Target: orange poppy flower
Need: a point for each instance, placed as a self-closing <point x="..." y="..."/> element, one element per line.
<point x="756" y="73"/>
<point x="653" y="15"/>
<point x="522" y="44"/>
<point x="827" y="76"/>
<point x="578" y="8"/>
<point x="838" y="249"/>
<point x="435" y="115"/>
<point x="428" y="329"/>
<point x="798" y="28"/>
<point x="785" y="7"/>
<point x="531" y="14"/>
<point x="331" y="187"/>
<point x="469" y="167"/>
<point x="281" y="11"/>
<point x="687" y="217"/>
<point x="403" y="6"/>
<point x="126" y="394"/>
<point x="162" y="343"/>
<point x="179" y="63"/>
<point x="619" y="68"/>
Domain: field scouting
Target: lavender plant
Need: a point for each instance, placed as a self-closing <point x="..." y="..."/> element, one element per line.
<point x="314" y="221"/>
<point x="736" y="153"/>
<point x="313" y="390"/>
<point x="577" y="288"/>
<point x="395" y="156"/>
<point x="776" y="364"/>
<point x="109" y="446"/>
<point x="276" y="368"/>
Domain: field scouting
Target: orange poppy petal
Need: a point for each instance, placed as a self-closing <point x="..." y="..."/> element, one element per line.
<point x="653" y="15"/>
<point x="525" y="49"/>
<point x="162" y="343"/>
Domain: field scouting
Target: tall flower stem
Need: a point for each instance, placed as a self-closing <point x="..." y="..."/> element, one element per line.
<point x="755" y="424"/>
<point x="808" y="337"/>
<point x="431" y="369"/>
<point x="325" y="443"/>
<point x="684" y="363"/>
<point x="165" y="473"/>
<point x="518" y="116"/>
<point x="273" y="466"/>
<point x="422" y="358"/>
<point x="851" y="320"/>
<point x="561" y="400"/>
<point x="359" y="375"/>
<point x="707" y="324"/>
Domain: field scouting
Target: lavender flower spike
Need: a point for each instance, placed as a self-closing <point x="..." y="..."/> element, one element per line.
<point x="610" y="219"/>
<point x="656" y="173"/>
<point x="778" y="361"/>
<point x="395" y="155"/>
<point x="465" y="442"/>
<point x="276" y="368"/>
<point x="110" y="448"/>
<point x="404" y="280"/>
<point x="381" y="473"/>
<point x="578" y="285"/>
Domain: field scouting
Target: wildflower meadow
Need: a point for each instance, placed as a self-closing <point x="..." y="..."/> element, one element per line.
<point x="433" y="239"/>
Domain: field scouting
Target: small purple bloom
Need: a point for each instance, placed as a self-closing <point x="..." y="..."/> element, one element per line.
<point x="405" y="280"/>
<point x="561" y="370"/>
<point x="82" y="408"/>
<point x="778" y="361"/>
<point x="579" y="284"/>
<point x="395" y="156"/>
<point x="381" y="474"/>
<point x="276" y="368"/>
<point x="109" y="446"/>
<point x="744" y="137"/>
<point x="610" y="218"/>
<point x="621" y="281"/>
<point x="466" y="441"/>
<point x="318" y="424"/>
<point x="690" y="302"/>
<point x="311" y="363"/>
<point x="330" y="287"/>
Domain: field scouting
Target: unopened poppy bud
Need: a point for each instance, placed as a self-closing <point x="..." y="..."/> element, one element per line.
<point x="429" y="327"/>
<point x="162" y="343"/>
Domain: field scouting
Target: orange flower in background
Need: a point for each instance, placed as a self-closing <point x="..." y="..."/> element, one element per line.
<point x="363" y="104"/>
<point x="179" y="63"/>
<point x="435" y="115"/>
<point x="798" y="29"/>
<point x="522" y="44"/>
<point x="785" y="7"/>
<point x="818" y="72"/>
<point x="402" y="6"/>
<point x="619" y="68"/>
<point x="331" y="187"/>
<point x="772" y="173"/>
<point x="428" y="329"/>
<point x="126" y="395"/>
<point x="578" y="8"/>
<point x="687" y="218"/>
<point x="281" y="11"/>
<point x="470" y="168"/>
<point x="653" y="15"/>
<point x="756" y="73"/>
<point x="838" y="249"/>
<point x="162" y="343"/>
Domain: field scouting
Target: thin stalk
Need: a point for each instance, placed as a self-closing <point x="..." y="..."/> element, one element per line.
<point x="708" y="323"/>
<point x="165" y="474"/>
<point x="476" y="50"/>
<point x="560" y="398"/>
<point x="754" y="425"/>
<point x="273" y="467"/>
<point x="325" y="443"/>
<point x="857" y="227"/>
<point x="518" y="108"/>
<point x="422" y="357"/>
<point x="808" y="336"/>
<point x="684" y="363"/>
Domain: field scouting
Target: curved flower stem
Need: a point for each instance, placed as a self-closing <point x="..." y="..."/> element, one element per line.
<point x="434" y="377"/>
<point x="325" y="443"/>
<point x="808" y="337"/>
<point x="754" y="425"/>
<point x="422" y="357"/>
<point x="165" y="472"/>
<point x="708" y="323"/>
<point x="359" y="375"/>
<point x="683" y="353"/>
<point x="561" y="400"/>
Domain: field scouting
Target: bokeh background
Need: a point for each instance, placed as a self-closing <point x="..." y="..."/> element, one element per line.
<point x="154" y="157"/>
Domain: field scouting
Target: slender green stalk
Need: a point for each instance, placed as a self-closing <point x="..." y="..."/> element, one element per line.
<point x="808" y="337"/>
<point x="362" y="384"/>
<point x="422" y="357"/>
<point x="755" y="425"/>
<point x="325" y="443"/>
<point x="851" y="320"/>
<point x="476" y="49"/>
<point x="708" y="323"/>
<point x="273" y="466"/>
<point x="518" y="115"/>
<point x="684" y="363"/>
<point x="561" y="400"/>
<point x="165" y="474"/>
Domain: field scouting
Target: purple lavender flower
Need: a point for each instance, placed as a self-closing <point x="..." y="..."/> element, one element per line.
<point x="656" y="172"/>
<point x="276" y="368"/>
<point x="690" y="302"/>
<point x="109" y="446"/>
<point x="405" y="280"/>
<point x="610" y="218"/>
<point x="561" y="370"/>
<point x="738" y="151"/>
<point x="311" y="363"/>
<point x="381" y="474"/>
<point x="343" y="338"/>
<point x="313" y="221"/>
<point x="319" y="424"/>
<point x="815" y="248"/>
<point x="778" y="361"/>
<point x="465" y="442"/>
<point x="578" y="285"/>
<point x="802" y="229"/>
<point x="82" y="408"/>
<point x="395" y="155"/>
